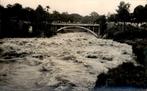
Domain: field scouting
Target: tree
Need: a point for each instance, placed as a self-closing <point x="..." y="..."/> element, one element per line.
<point x="1" y="17"/>
<point x="76" y="18"/>
<point x="1" y="11"/>
<point x="90" y="18"/>
<point x="38" y="23"/>
<point x="139" y="14"/>
<point x="17" y="10"/>
<point x="29" y="14"/>
<point x="123" y="12"/>
<point x="94" y="15"/>
<point x="40" y="13"/>
<point x="103" y="25"/>
<point x="86" y="19"/>
<point x="65" y="17"/>
<point x="112" y="18"/>
<point x="56" y="17"/>
<point x="145" y="11"/>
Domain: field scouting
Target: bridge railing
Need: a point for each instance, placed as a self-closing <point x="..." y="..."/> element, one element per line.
<point x="74" y="24"/>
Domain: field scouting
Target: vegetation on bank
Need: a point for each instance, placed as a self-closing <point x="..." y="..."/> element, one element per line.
<point x="131" y="32"/>
<point x="17" y="21"/>
<point x="126" y="75"/>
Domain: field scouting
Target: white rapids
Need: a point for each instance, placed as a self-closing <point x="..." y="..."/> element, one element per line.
<point x="65" y="62"/>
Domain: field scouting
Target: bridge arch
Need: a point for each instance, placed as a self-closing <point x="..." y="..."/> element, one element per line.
<point x="80" y="27"/>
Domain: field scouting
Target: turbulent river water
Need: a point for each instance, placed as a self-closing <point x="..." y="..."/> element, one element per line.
<point x="65" y="62"/>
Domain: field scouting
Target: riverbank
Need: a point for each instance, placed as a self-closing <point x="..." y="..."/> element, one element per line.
<point x="122" y="76"/>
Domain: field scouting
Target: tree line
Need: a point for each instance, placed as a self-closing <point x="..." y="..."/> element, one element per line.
<point x="139" y="14"/>
<point x="126" y="24"/>
<point x="16" y="21"/>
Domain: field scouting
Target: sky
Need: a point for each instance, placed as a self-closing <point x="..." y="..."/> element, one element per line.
<point x="83" y="7"/>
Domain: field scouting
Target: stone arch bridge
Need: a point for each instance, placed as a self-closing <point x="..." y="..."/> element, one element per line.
<point x="90" y="28"/>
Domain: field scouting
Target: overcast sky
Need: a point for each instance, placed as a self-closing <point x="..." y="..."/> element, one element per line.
<point x="83" y="7"/>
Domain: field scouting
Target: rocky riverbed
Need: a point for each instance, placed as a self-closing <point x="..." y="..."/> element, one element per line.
<point x="70" y="61"/>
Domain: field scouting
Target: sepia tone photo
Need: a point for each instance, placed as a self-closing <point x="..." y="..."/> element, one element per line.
<point x="73" y="45"/>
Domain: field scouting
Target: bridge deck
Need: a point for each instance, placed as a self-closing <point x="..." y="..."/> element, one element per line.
<point x="72" y="24"/>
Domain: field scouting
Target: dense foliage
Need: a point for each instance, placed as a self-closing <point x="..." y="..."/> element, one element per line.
<point x="139" y="15"/>
<point x="125" y="25"/>
<point x="125" y="75"/>
<point x="16" y="21"/>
